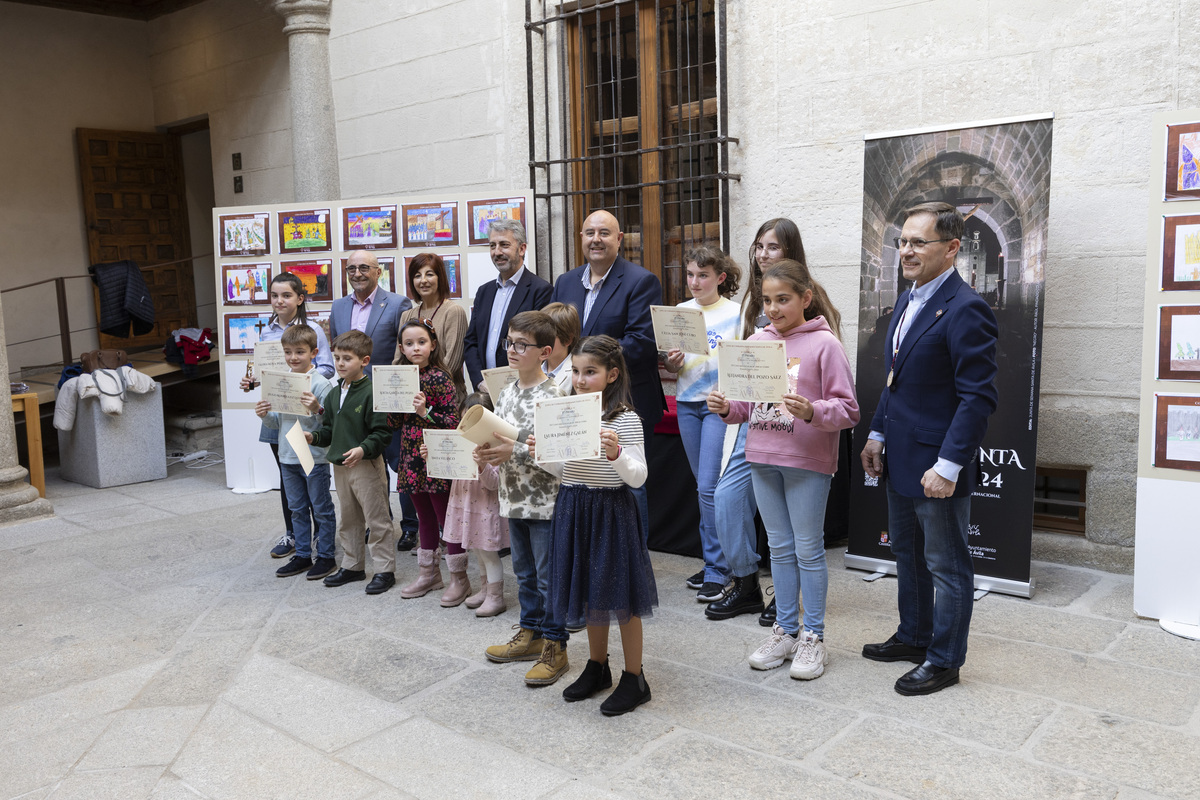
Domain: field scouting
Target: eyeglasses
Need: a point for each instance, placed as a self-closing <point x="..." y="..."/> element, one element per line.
<point x="917" y="244"/>
<point x="352" y="268"/>
<point x="517" y="347"/>
<point x="773" y="249"/>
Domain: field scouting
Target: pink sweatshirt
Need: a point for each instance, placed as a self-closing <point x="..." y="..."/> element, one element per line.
<point x="819" y="371"/>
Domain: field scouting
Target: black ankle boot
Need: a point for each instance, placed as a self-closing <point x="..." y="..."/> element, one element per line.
<point x="631" y="692"/>
<point x="744" y="597"/>
<point x="596" y="676"/>
<point x="767" y="617"/>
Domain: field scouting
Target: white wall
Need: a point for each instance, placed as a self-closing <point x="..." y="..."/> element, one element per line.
<point x="61" y="71"/>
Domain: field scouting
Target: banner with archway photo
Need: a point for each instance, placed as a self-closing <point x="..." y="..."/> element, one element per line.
<point x="998" y="175"/>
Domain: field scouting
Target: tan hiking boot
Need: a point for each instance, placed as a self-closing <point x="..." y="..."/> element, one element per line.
<point x="523" y="646"/>
<point x="551" y="665"/>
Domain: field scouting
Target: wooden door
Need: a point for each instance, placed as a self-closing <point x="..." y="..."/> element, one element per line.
<point x="134" y="208"/>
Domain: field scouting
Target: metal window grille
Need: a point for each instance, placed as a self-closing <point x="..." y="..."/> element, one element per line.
<point x="1060" y="499"/>
<point x="628" y="112"/>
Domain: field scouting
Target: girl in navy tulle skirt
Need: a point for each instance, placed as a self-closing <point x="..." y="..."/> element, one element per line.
<point x="600" y="568"/>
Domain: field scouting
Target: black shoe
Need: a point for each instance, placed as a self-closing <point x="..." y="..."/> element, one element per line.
<point x="631" y="692"/>
<point x="407" y="541"/>
<point x="320" y="568"/>
<point x="767" y="617"/>
<point x="926" y="679"/>
<point x="285" y="547"/>
<point x="743" y="597"/>
<point x="894" y="650"/>
<point x="596" y="676"/>
<point x="344" y="576"/>
<point x="381" y="582"/>
<point x="696" y="581"/>
<point x="293" y="567"/>
<point x="710" y="592"/>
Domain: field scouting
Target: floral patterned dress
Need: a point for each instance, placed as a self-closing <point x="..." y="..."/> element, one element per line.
<point x="442" y="407"/>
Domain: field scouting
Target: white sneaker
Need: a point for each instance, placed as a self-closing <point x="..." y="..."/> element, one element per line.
<point x="811" y="657"/>
<point x="775" y="649"/>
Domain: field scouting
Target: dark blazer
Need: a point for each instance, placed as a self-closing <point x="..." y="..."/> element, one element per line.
<point x="382" y="325"/>
<point x="622" y="311"/>
<point x="532" y="294"/>
<point x="943" y="388"/>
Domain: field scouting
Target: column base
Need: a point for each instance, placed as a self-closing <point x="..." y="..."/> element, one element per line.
<point x="18" y="500"/>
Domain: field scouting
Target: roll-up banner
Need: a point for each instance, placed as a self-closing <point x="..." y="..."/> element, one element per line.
<point x="997" y="173"/>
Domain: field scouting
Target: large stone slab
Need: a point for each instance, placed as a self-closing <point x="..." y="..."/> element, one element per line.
<point x="297" y="632"/>
<point x="105" y="784"/>
<point x="43" y="760"/>
<point x="198" y="671"/>
<point x="140" y="737"/>
<point x="386" y="668"/>
<point x="1049" y="626"/>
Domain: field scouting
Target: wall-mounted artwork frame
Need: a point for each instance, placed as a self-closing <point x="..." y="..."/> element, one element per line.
<point x="369" y="228"/>
<point x="304" y="231"/>
<point x="387" y="267"/>
<point x="246" y="284"/>
<point x="245" y="234"/>
<point x="431" y="225"/>
<point x="1181" y="253"/>
<point x="242" y="331"/>
<point x="1179" y="343"/>
<point x="1182" y="181"/>
<point x="315" y="273"/>
<point x="480" y="213"/>
<point x="454" y="274"/>
<point x="1177" y="431"/>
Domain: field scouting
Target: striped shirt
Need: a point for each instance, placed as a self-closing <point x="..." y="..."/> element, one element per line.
<point x="629" y="469"/>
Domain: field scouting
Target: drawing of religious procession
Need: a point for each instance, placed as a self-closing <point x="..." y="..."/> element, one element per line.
<point x="247" y="284"/>
<point x="484" y="212"/>
<point x="431" y="225"/>
<point x="369" y="228"/>
<point x="244" y="235"/>
<point x="303" y="231"/>
<point x="315" y="275"/>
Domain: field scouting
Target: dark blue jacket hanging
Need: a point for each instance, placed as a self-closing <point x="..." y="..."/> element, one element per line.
<point x="124" y="299"/>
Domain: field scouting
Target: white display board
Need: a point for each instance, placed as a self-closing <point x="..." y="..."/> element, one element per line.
<point x="312" y="238"/>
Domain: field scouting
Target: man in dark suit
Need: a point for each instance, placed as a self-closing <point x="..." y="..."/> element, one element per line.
<point x="940" y="354"/>
<point x="613" y="296"/>
<point x="372" y="310"/>
<point x="376" y="312"/>
<point x="515" y="289"/>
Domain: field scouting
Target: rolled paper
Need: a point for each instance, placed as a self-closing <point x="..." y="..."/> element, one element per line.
<point x="478" y="424"/>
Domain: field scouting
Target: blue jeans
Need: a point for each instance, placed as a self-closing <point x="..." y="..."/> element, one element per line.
<point x="310" y="494"/>
<point x="530" y="543"/>
<point x="735" y="507"/>
<point x="792" y="503"/>
<point x="935" y="579"/>
<point x="703" y="434"/>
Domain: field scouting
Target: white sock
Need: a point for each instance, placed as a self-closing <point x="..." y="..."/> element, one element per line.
<point x="490" y="561"/>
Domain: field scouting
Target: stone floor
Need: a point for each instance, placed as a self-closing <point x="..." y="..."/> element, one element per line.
<point x="149" y="651"/>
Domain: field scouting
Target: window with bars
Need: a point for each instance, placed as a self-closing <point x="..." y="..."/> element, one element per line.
<point x="627" y="112"/>
<point x="1060" y="499"/>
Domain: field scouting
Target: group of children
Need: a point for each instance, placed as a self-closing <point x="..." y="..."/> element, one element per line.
<point x="578" y="549"/>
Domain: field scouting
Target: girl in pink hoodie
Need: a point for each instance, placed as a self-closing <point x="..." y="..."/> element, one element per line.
<point x="792" y="448"/>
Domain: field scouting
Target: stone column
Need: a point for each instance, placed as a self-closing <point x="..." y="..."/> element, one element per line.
<point x="314" y="135"/>
<point x="18" y="500"/>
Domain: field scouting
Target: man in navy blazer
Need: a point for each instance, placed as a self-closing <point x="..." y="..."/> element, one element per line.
<point x="940" y="354"/>
<point x="372" y="310"/>
<point x="613" y="296"/>
<point x="516" y="289"/>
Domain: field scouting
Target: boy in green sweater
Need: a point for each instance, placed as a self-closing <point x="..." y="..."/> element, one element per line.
<point x="355" y="436"/>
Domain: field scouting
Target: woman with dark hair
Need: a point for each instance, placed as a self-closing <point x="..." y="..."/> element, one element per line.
<point x="734" y="504"/>
<point x="429" y="287"/>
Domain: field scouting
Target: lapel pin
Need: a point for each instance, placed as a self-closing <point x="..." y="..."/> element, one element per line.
<point x="939" y="313"/>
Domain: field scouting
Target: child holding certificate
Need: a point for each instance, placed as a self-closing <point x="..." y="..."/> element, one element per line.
<point x="435" y="406"/>
<point x="792" y="448"/>
<point x="712" y="278"/>
<point x="601" y="569"/>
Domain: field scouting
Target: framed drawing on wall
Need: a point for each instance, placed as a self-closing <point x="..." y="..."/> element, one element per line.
<point x="245" y="234"/>
<point x="481" y="213"/>
<point x="369" y="228"/>
<point x="1177" y="431"/>
<point x="431" y="225"/>
<point x="316" y="275"/>
<point x="453" y="266"/>
<point x="1183" y="162"/>
<point x="246" y="284"/>
<point x="1179" y="343"/>
<point x="304" y="231"/>
<point x="386" y="265"/>
<point x="242" y="331"/>
<point x="1181" y="253"/>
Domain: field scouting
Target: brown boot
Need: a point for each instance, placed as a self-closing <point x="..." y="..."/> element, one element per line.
<point x="476" y="600"/>
<point x="493" y="603"/>
<point x="460" y="584"/>
<point x="428" y="579"/>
